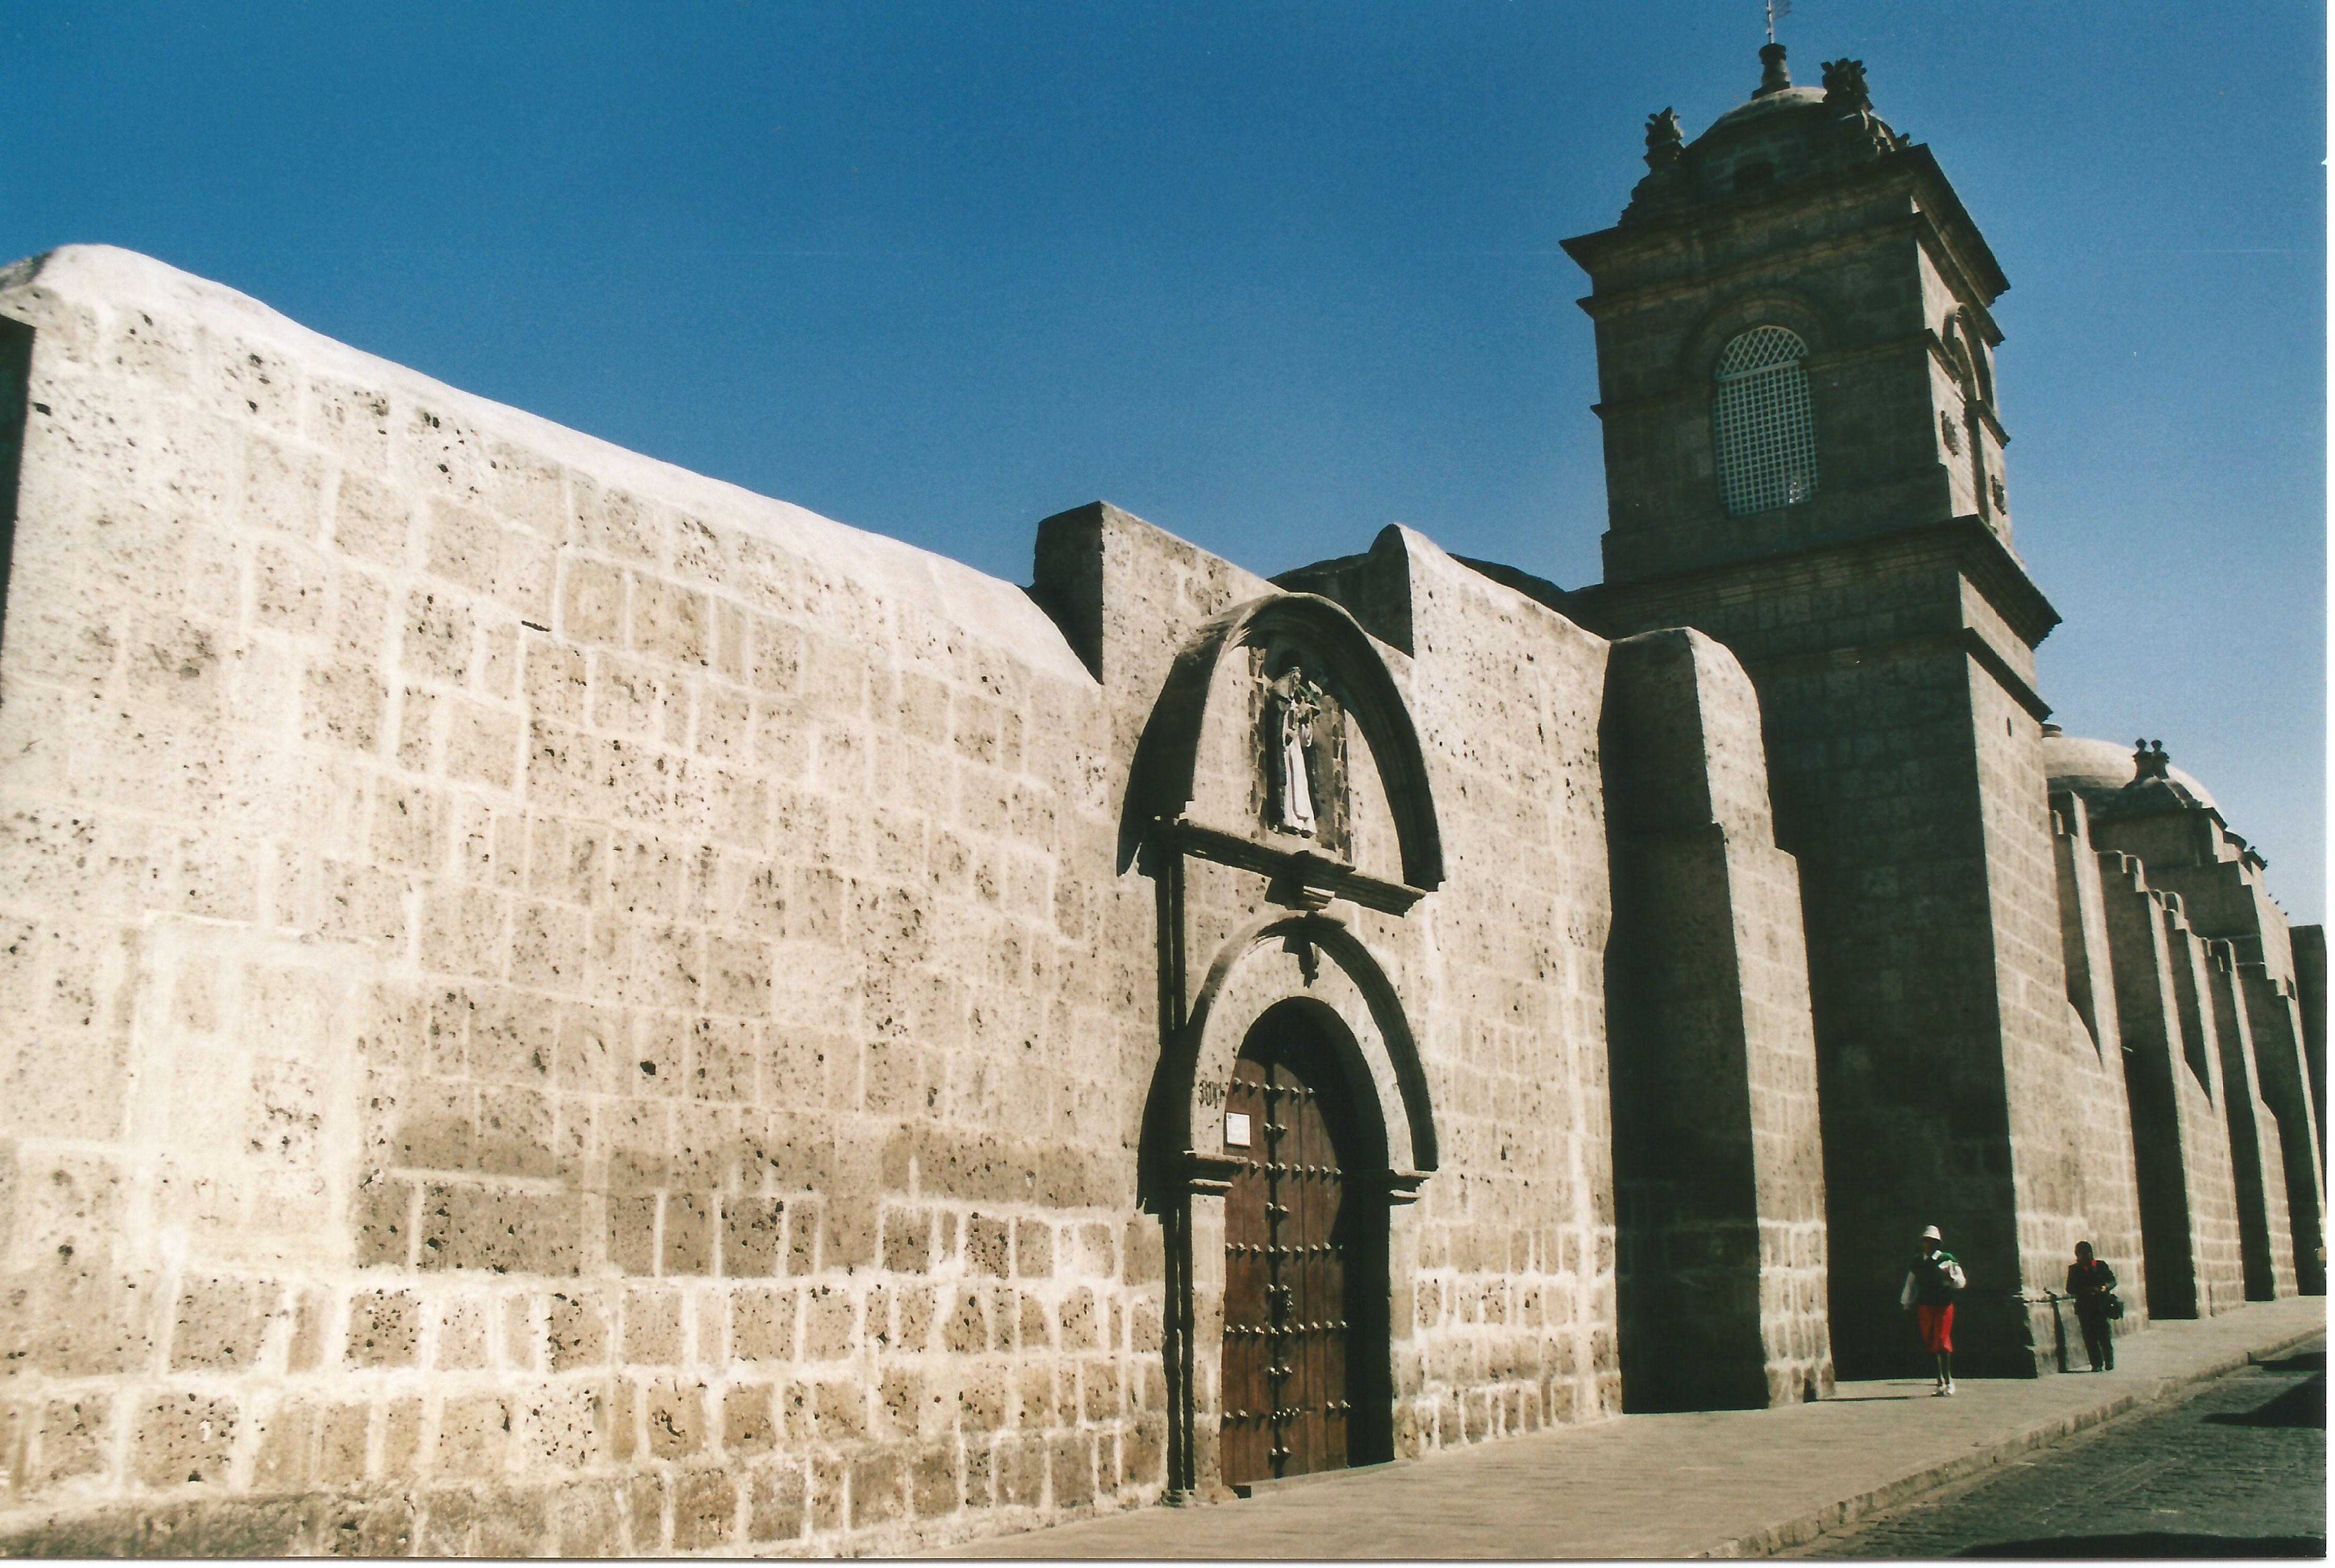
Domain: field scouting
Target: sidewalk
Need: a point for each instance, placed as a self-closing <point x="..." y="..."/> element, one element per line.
<point x="1735" y="1483"/>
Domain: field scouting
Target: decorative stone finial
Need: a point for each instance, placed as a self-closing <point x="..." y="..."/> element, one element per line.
<point x="2149" y="761"/>
<point x="1844" y="85"/>
<point x="1773" y="76"/>
<point x="1664" y="139"/>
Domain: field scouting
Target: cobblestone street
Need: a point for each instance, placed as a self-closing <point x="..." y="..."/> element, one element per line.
<point x="2237" y="1470"/>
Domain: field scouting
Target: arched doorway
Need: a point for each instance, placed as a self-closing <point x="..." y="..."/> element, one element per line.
<point x="1307" y="1383"/>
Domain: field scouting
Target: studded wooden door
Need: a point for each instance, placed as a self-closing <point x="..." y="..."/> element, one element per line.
<point x="1286" y="1333"/>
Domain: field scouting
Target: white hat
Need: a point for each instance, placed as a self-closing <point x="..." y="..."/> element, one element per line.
<point x="1932" y="1234"/>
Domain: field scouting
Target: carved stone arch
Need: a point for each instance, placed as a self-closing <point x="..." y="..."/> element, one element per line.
<point x="1964" y="354"/>
<point x="1952" y="350"/>
<point x="1966" y="347"/>
<point x="1737" y="314"/>
<point x="1167" y="759"/>
<point x="1186" y="1173"/>
<point x="1321" y="963"/>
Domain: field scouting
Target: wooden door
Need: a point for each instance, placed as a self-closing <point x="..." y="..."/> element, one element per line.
<point x="1286" y="1333"/>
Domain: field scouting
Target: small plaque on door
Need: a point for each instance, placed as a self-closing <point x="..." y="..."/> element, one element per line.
<point x="1235" y="1129"/>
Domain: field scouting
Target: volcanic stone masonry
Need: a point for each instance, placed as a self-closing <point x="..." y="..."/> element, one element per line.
<point x="553" y="1004"/>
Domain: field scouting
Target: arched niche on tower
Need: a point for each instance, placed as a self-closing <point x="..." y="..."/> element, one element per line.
<point x="1281" y="743"/>
<point x="1965" y="344"/>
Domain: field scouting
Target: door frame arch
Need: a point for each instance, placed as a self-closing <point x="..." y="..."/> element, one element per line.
<point x="1318" y="961"/>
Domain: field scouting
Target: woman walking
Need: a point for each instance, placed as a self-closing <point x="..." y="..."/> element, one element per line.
<point x="1929" y="1294"/>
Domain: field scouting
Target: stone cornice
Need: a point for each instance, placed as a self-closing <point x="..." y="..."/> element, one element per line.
<point x="1940" y="221"/>
<point x="1965" y="542"/>
<point x="1967" y="641"/>
<point x="1302" y="877"/>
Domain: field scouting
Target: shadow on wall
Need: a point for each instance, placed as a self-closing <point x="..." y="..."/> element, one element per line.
<point x="16" y="381"/>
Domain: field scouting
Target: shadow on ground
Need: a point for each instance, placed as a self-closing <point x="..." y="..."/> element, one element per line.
<point x="2155" y="1543"/>
<point x="2303" y="1405"/>
<point x="2307" y="1361"/>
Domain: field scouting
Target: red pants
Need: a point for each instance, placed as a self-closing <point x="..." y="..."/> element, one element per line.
<point x="1937" y="1327"/>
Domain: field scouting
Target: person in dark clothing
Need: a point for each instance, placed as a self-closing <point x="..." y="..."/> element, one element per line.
<point x="2092" y="1282"/>
<point x="1931" y="1286"/>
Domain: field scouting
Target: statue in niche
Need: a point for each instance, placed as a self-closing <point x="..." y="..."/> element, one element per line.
<point x="1297" y="718"/>
<point x="1295" y="704"/>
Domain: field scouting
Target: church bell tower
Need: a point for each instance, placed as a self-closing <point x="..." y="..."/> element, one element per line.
<point x="1804" y="459"/>
<point x="1794" y="339"/>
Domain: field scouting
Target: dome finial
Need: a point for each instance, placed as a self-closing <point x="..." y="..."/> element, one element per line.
<point x="1773" y="76"/>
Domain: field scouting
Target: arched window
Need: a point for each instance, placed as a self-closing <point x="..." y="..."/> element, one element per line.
<point x="1759" y="422"/>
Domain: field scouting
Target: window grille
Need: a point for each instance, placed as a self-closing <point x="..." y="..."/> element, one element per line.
<point x="1760" y="424"/>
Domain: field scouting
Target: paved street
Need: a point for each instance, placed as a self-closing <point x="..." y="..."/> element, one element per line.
<point x="1750" y="1482"/>
<point x="2237" y="1470"/>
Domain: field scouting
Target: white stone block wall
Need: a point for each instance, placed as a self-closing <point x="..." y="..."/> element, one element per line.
<point x="550" y="1001"/>
<point x="553" y="1004"/>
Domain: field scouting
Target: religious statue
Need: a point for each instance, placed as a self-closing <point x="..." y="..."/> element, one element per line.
<point x="1844" y="89"/>
<point x="2149" y="761"/>
<point x="1664" y="139"/>
<point x="1850" y="108"/>
<point x="1296" y="702"/>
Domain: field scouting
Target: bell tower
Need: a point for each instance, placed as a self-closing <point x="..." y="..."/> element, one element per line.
<point x="1804" y="461"/>
<point x="1794" y="339"/>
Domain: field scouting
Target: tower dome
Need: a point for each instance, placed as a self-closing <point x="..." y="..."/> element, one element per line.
<point x="1783" y="135"/>
<point x="2106" y="773"/>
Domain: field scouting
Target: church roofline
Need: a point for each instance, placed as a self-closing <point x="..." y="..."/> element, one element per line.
<point x="108" y="281"/>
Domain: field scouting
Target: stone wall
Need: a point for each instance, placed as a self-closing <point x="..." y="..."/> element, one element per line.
<point x="559" y="1004"/>
<point x="2219" y="879"/>
<point x="2187" y="1193"/>
<point x="2309" y="945"/>
<point x="1719" y="1165"/>
<point x="2257" y="1158"/>
<point x="2276" y="1010"/>
<point x="2068" y="1156"/>
<point x="1510" y="1251"/>
<point x="2101" y="1153"/>
<point x="562" y="1006"/>
<point x="1907" y="784"/>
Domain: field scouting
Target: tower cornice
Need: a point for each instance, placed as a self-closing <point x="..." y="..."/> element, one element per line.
<point x="1953" y="235"/>
<point x="1964" y="543"/>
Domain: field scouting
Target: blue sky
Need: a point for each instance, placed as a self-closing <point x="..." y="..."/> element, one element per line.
<point x="1268" y="274"/>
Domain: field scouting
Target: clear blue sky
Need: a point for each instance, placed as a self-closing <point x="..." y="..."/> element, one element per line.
<point x="1270" y="275"/>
